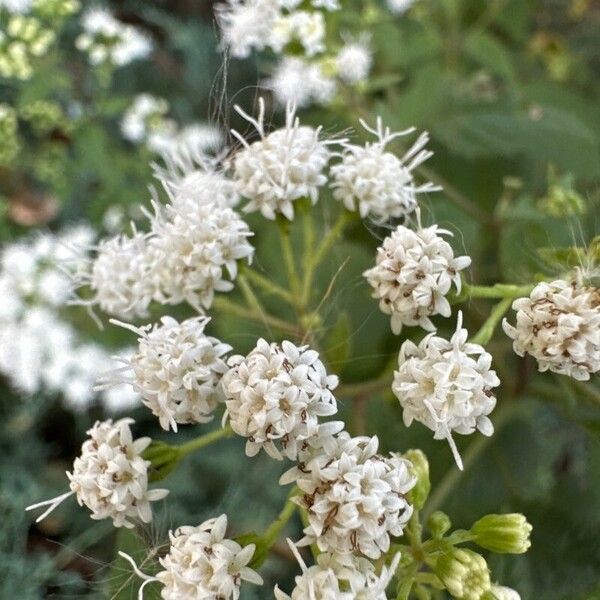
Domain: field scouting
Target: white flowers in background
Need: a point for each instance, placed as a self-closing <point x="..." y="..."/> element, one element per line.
<point x="414" y="271"/>
<point x="107" y="40"/>
<point x="40" y="352"/>
<point x="296" y="81"/>
<point x="145" y="114"/>
<point x="275" y="396"/>
<point x="202" y="563"/>
<point x="197" y="139"/>
<point x="195" y="247"/>
<point x="559" y="325"/>
<point x="16" y="6"/>
<point x="110" y="476"/>
<point x="176" y="370"/>
<point x="353" y="578"/>
<point x="353" y="61"/>
<point x="119" y="277"/>
<point x="308" y="28"/>
<point x="446" y="385"/>
<point x="399" y="7"/>
<point x="354" y="497"/>
<point x="378" y="182"/>
<point x="281" y="167"/>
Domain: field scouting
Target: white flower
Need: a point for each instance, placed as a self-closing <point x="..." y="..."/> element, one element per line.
<point x="501" y="592"/>
<point x="246" y="25"/>
<point x="105" y="39"/>
<point x="281" y="167"/>
<point x="380" y="183"/>
<point x="195" y="247"/>
<point x="414" y="271"/>
<point x="446" y="385"/>
<point x="306" y="27"/>
<point x="16" y="6"/>
<point x="353" y="61"/>
<point x="298" y="82"/>
<point x="138" y="119"/>
<point x="399" y="7"/>
<point x="118" y="277"/>
<point x="275" y="397"/>
<point x="354" y="498"/>
<point x="176" y="370"/>
<point x="559" y="325"/>
<point x="337" y="577"/>
<point x="202" y="564"/>
<point x="110" y="476"/>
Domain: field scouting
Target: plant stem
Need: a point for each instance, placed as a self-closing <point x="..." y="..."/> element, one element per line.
<point x="498" y="290"/>
<point x="288" y="255"/>
<point x="443" y="489"/>
<point x="267" y="285"/>
<point x="204" y="440"/>
<point x="226" y="305"/>
<point x="323" y="248"/>
<point x="273" y="532"/>
<point x="486" y="331"/>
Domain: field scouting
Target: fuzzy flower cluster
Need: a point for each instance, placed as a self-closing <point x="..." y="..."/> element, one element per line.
<point x="377" y="182"/>
<point x="280" y="168"/>
<point x="354" y="497"/>
<point x="195" y="242"/>
<point x="176" y="370"/>
<point x="107" y="40"/>
<point x="275" y="397"/>
<point x="282" y="26"/>
<point x="202" y="563"/>
<point x="414" y="272"/>
<point x="337" y="578"/>
<point x="41" y="352"/>
<point x="559" y="325"/>
<point x="446" y="385"/>
<point x="110" y="477"/>
<point x="145" y="114"/>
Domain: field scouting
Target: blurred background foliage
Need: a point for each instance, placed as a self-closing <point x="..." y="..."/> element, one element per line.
<point x="509" y="91"/>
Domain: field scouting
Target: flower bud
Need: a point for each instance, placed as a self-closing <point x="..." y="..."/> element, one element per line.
<point x="438" y="524"/>
<point x="420" y="469"/>
<point x="464" y="573"/>
<point x="504" y="534"/>
<point x="500" y="592"/>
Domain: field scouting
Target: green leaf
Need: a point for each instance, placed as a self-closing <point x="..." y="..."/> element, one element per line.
<point x="337" y="343"/>
<point x="483" y="48"/>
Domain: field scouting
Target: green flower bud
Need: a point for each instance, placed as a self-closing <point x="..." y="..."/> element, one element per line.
<point x="464" y="573"/>
<point x="504" y="534"/>
<point x="438" y="524"/>
<point x="420" y="469"/>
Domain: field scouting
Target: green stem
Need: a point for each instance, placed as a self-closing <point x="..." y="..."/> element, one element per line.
<point x="366" y="388"/>
<point x="267" y="285"/>
<point x="444" y="488"/>
<point x="322" y="249"/>
<point x="274" y="530"/>
<point x="486" y="331"/>
<point x="231" y="307"/>
<point x="204" y="440"/>
<point x="288" y="255"/>
<point x="499" y="290"/>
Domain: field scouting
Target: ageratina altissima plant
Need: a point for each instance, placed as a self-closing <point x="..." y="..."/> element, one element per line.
<point x="365" y="510"/>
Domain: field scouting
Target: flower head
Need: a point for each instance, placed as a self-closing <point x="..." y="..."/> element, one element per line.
<point x="354" y="498"/>
<point x="446" y="385"/>
<point x="559" y="325"/>
<point x="176" y="370"/>
<point x="110" y="476"/>
<point x="275" y="396"/>
<point x="281" y="167"/>
<point x="464" y="573"/>
<point x="378" y="182"/>
<point x="353" y="61"/>
<point x="414" y="271"/>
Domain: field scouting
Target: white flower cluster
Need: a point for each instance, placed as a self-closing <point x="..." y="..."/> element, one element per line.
<point x="399" y="7"/>
<point x="145" y="114"/>
<point x="352" y="579"/>
<point x="110" y="476"/>
<point x="378" y="182"/>
<point x="202" y="563"/>
<point x="275" y="396"/>
<point x="281" y="167"/>
<point x="41" y="352"/>
<point x="176" y="370"/>
<point x="191" y="251"/>
<point x="446" y="385"/>
<point x="107" y="40"/>
<point x="354" y="497"/>
<point x="559" y="325"/>
<point x="414" y="271"/>
<point x="310" y="77"/>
